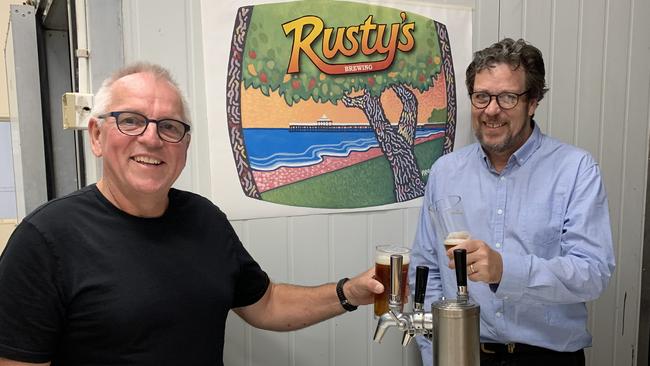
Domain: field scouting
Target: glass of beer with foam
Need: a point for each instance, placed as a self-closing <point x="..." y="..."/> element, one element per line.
<point x="449" y="221"/>
<point x="382" y="274"/>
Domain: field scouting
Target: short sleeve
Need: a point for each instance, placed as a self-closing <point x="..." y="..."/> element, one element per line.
<point x="252" y="281"/>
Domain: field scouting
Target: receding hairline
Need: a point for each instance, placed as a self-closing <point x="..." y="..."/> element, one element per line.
<point x="104" y="94"/>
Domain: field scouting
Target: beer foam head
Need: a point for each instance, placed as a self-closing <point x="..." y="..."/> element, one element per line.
<point x="464" y="235"/>
<point x="383" y="253"/>
<point x="456" y="237"/>
<point x="453" y="241"/>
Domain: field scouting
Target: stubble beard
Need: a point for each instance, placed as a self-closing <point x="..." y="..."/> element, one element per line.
<point x="509" y="143"/>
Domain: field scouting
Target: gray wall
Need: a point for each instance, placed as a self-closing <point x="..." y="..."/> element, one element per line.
<point x="597" y="55"/>
<point x="7" y="185"/>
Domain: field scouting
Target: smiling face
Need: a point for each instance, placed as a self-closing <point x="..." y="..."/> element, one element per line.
<point x="501" y="132"/>
<point x="139" y="170"/>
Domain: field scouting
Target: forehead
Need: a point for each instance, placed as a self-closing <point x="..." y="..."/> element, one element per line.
<point x="145" y="93"/>
<point x="500" y="77"/>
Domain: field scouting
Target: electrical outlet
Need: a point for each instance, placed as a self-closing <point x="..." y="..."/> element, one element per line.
<point x="76" y="110"/>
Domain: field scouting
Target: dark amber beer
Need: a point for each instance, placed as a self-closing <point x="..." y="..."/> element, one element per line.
<point x="382" y="274"/>
<point x="455" y="238"/>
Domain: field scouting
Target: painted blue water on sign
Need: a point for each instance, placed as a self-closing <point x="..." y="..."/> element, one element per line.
<point x="271" y="148"/>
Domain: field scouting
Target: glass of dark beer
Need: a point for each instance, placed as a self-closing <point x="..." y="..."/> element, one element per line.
<point x="450" y="222"/>
<point x="382" y="274"/>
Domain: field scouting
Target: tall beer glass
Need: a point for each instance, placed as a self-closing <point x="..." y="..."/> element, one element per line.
<point x="382" y="274"/>
<point x="450" y="222"/>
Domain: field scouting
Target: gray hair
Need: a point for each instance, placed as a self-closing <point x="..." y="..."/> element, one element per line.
<point x="514" y="53"/>
<point x="103" y="96"/>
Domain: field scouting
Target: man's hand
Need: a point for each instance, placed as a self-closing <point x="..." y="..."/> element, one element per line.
<point x="361" y="290"/>
<point x="483" y="263"/>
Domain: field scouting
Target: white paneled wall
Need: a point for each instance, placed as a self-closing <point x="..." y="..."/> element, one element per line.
<point x="597" y="54"/>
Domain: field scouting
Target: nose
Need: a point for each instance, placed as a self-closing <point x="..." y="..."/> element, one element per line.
<point x="150" y="135"/>
<point x="493" y="106"/>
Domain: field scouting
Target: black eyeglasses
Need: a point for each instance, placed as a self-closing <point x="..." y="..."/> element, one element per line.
<point x="134" y="124"/>
<point x="505" y="100"/>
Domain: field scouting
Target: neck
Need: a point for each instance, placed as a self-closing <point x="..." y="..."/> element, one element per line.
<point x="136" y="204"/>
<point x="498" y="160"/>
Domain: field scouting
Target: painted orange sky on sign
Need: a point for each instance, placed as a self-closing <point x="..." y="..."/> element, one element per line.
<point x="260" y="111"/>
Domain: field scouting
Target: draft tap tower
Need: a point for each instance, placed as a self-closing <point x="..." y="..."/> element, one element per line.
<point x="452" y="325"/>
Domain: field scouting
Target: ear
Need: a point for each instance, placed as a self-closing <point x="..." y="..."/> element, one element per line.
<point x="532" y="106"/>
<point x="189" y="138"/>
<point x="94" y="130"/>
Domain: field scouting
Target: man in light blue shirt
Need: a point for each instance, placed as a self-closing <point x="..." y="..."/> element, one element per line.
<point x="541" y="244"/>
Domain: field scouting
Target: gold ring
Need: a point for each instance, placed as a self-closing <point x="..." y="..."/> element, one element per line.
<point x="471" y="267"/>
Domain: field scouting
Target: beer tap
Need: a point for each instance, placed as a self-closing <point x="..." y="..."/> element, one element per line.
<point x="452" y="325"/>
<point x="417" y="323"/>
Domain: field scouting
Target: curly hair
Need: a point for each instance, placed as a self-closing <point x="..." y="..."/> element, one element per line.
<point x="514" y="53"/>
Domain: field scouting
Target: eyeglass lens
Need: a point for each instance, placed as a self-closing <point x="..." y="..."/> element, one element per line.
<point x="504" y="100"/>
<point x="134" y="124"/>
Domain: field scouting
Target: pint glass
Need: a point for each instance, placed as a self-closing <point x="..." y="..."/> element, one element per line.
<point x="382" y="274"/>
<point x="449" y="221"/>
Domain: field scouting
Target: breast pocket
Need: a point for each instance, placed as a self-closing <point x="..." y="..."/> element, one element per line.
<point x="543" y="221"/>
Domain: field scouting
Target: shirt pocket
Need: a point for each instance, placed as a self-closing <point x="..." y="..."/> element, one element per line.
<point x="543" y="221"/>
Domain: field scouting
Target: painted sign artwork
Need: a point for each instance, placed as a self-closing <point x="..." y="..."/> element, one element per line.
<point x="334" y="104"/>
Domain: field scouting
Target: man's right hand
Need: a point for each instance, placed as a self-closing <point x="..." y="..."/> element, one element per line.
<point x="483" y="263"/>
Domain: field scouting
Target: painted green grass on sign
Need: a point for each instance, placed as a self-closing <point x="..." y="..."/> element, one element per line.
<point x="360" y="185"/>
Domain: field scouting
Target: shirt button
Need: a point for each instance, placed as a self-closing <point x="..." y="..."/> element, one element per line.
<point x="498" y="314"/>
<point x="502" y="178"/>
<point x="500" y="211"/>
<point x="498" y="245"/>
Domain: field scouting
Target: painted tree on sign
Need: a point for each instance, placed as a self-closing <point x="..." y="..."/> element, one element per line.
<point x="265" y="68"/>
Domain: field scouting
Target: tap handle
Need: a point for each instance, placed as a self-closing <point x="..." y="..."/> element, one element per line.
<point x="421" y="278"/>
<point x="460" y="261"/>
<point x="395" y="277"/>
<point x="406" y="338"/>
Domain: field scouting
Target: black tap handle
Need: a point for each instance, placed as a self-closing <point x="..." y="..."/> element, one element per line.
<point x="421" y="278"/>
<point x="460" y="261"/>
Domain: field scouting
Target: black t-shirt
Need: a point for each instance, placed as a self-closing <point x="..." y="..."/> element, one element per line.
<point x="83" y="283"/>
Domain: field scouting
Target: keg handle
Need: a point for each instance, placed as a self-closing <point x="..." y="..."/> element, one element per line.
<point x="421" y="279"/>
<point x="460" y="261"/>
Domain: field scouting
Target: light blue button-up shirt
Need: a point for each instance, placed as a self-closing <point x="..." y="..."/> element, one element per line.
<point x="546" y="214"/>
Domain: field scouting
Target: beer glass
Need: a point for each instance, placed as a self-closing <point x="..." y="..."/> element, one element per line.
<point x="382" y="274"/>
<point x="449" y="221"/>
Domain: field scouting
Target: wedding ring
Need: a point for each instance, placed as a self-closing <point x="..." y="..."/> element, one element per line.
<point x="471" y="268"/>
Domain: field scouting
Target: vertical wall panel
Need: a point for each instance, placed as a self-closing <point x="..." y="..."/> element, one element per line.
<point x="268" y="243"/>
<point x="563" y="65"/>
<point x="486" y="18"/>
<point x="511" y="18"/>
<point x="634" y="176"/>
<point x="612" y="162"/>
<point x="588" y="135"/>
<point x="309" y="251"/>
<point x="538" y="30"/>
<point x="590" y="75"/>
<point x="350" y="254"/>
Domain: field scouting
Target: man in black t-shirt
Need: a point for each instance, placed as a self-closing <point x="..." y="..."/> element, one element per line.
<point x="132" y="271"/>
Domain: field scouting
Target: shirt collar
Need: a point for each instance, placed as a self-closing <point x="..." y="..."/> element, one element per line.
<point x="529" y="147"/>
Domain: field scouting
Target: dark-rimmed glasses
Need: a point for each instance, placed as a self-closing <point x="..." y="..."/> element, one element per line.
<point x="134" y="124"/>
<point x="505" y="100"/>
